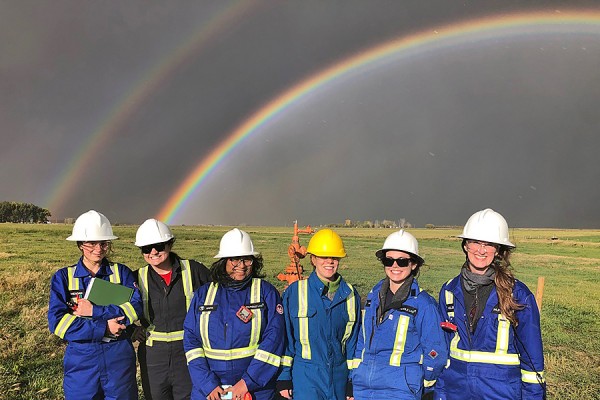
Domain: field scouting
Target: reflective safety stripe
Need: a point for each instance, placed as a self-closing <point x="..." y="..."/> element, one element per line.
<point x="166" y="336"/>
<point x="351" y="308"/>
<point x="129" y="312"/>
<point x="232" y="354"/>
<point x="503" y="335"/>
<point x="73" y="282"/>
<point x="449" y="300"/>
<point x="427" y="383"/>
<point x="257" y="317"/>
<point x="302" y="320"/>
<point x="242" y="352"/>
<point x="400" y="341"/>
<point x="115" y="277"/>
<point x="354" y="363"/>
<point x="204" y="316"/>
<point x="186" y="279"/>
<point x="63" y="325"/>
<point x="193" y="354"/>
<point x="481" y="356"/>
<point x="143" y="277"/>
<point x="268" y="358"/>
<point x="287" y="361"/>
<point x="531" y="377"/>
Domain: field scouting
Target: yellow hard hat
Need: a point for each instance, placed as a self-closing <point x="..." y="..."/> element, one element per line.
<point x="326" y="243"/>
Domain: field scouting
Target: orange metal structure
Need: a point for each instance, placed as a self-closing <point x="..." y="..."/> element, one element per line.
<point x="294" y="270"/>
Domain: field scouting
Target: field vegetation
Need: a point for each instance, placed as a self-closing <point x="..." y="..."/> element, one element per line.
<point x="31" y="357"/>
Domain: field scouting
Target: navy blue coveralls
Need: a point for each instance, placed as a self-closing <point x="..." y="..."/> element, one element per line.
<point x="497" y="361"/>
<point x="221" y="348"/>
<point x="95" y="367"/>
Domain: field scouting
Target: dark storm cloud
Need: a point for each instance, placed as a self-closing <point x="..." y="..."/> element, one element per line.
<point x="65" y="65"/>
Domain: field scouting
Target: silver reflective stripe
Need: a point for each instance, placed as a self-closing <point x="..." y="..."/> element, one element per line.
<point x="63" y="325"/>
<point x="72" y="282"/>
<point x="257" y="317"/>
<point x="115" y="277"/>
<point x="481" y="356"/>
<point x="193" y="354"/>
<point x="268" y="358"/>
<point x="351" y="309"/>
<point x="400" y="340"/>
<point x="531" y="377"/>
<point x="143" y="276"/>
<point x="205" y="315"/>
<point x="302" y="320"/>
<point x="186" y="279"/>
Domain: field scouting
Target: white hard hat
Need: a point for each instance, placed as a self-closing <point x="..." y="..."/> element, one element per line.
<point x="488" y="226"/>
<point x="401" y="241"/>
<point x="236" y="243"/>
<point x="91" y="226"/>
<point x="152" y="231"/>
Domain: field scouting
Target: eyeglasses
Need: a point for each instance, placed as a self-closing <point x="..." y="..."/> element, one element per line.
<point x="235" y="261"/>
<point x="401" y="262"/>
<point x="103" y="245"/>
<point x="156" y="246"/>
<point x="475" y="245"/>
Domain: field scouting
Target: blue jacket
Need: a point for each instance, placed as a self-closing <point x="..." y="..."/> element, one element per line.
<point x="404" y="352"/>
<point x="321" y="338"/>
<point x="94" y="364"/>
<point x="497" y="361"/>
<point x="221" y="348"/>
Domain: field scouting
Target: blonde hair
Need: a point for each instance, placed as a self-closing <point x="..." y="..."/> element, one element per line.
<point x="505" y="282"/>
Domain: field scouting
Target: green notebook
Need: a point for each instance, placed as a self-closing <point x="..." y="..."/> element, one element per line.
<point x="103" y="293"/>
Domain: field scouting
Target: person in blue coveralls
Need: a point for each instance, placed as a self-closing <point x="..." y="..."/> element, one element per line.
<point x="234" y="329"/>
<point x="322" y="317"/>
<point x="99" y="360"/>
<point x="402" y="348"/>
<point x="492" y="321"/>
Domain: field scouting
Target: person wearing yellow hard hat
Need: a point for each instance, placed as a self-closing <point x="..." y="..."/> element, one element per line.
<point x="99" y="359"/>
<point x="492" y="321"/>
<point x="167" y="283"/>
<point x="401" y="349"/>
<point x="322" y="315"/>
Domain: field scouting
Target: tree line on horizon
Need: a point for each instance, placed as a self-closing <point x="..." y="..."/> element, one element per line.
<point x="22" y="213"/>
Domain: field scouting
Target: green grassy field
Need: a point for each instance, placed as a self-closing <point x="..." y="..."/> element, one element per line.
<point x="31" y="357"/>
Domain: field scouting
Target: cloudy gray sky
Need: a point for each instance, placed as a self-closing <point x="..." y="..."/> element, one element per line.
<point x="111" y="105"/>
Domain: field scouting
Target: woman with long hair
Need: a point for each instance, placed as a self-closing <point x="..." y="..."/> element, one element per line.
<point x="492" y="321"/>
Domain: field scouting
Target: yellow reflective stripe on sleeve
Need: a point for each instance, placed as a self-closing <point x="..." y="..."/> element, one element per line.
<point x="400" y="340"/>
<point x="351" y="309"/>
<point x="503" y="335"/>
<point x="63" y="325"/>
<point x="231" y="354"/>
<point x="287" y="361"/>
<point x="354" y="363"/>
<point x="302" y="320"/>
<point x="257" y="317"/>
<point x="427" y="383"/>
<point x="143" y="277"/>
<point x="129" y="312"/>
<point x="205" y="315"/>
<point x="72" y="282"/>
<point x="166" y="336"/>
<point x="193" y="354"/>
<point x="115" y="277"/>
<point x="186" y="279"/>
<point x="268" y="358"/>
<point x="531" y="377"/>
<point x="481" y="356"/>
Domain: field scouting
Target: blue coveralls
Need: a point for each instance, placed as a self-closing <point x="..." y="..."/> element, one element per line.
<point x="403" y="353"/>
<point x="321" y="338"/>
<point x="492" y="363"/>
<point x="94" y="368"/>
<point x="221" y="348"/>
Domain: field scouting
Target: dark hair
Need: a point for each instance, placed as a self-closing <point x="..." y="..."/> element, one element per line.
<point x="505" y="282"/>
<point x="218" y="270"/>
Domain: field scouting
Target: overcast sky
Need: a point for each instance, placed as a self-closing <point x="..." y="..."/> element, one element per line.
<point x="111" y="105"/>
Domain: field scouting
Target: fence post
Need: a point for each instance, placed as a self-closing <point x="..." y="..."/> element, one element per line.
<point x="539" y="293"/>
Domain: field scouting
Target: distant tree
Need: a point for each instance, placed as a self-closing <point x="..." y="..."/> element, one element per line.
<point x="430" y="226"/>
<point x="11" y="211"/>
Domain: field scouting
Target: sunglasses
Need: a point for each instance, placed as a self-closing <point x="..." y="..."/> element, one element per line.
<point x="401" y="262"/>
<point x="156" y="246"/>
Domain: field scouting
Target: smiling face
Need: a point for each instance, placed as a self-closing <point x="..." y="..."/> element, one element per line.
<point x="238" y="268"/>
<point x="480" y="255"/>
<point x="94" y="251"/>
<point x="325" y="267"/>
<point x="158" y="258"/>
<point x="395" y="273"/>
